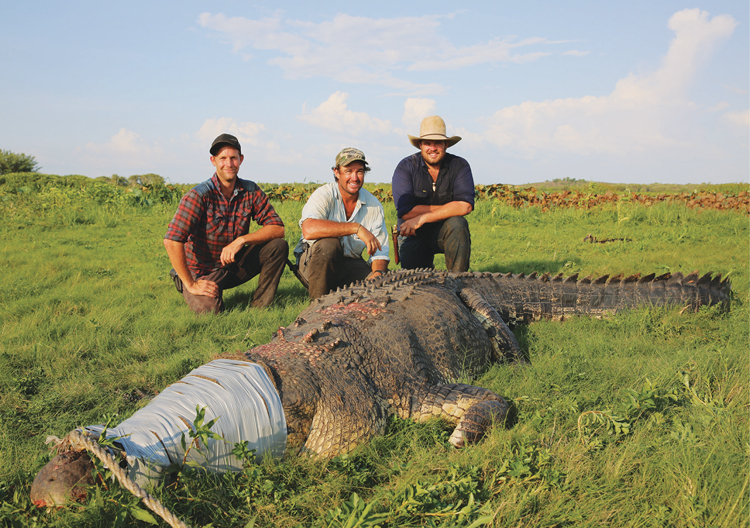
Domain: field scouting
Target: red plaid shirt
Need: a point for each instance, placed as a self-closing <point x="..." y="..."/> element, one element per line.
<point x="206" y="222"/>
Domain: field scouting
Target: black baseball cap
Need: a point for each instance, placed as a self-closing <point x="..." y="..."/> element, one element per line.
<point x="225" y="139"/>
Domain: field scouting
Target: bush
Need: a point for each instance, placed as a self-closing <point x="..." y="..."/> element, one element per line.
<point x="12" y="162"/>
<point x="146" y="180"/>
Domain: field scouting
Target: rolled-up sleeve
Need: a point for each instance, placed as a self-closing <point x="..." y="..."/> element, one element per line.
<point x="265" y="214"/>
<point x="319" y="206"/>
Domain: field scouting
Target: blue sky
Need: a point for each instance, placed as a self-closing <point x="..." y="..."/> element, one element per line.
<point x="634" y="92"/>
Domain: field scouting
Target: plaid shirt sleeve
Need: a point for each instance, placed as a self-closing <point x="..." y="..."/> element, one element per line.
<point x="263" y="212"/>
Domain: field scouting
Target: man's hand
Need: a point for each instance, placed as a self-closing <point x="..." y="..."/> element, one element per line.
<point x="176" y="252"/>
<point x="203" y="287"/>
<point x="370" y="240"/>
<point x="379" y="267"/>
<point x="409" y="227"/>
<point x="229" y="252"/>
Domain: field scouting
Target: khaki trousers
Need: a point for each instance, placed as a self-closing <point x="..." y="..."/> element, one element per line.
<point x="324" y="266"/>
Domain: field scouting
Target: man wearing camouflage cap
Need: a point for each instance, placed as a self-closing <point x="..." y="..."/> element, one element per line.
<point x="339" y="221"/>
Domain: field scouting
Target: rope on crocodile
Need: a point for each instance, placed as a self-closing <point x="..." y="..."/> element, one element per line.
<point x="238" y="398"/>
<point x="108" y="460"/>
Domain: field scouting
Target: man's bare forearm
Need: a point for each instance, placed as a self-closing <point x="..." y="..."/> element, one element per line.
<point x="379" y="265"/>
<point x="263" y="235"/>
<point x="176" y="253"/>
<point x="314" y="229"/>
<point x="420" y="210"/>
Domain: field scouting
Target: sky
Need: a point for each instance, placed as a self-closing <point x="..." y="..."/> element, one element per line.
<point x="627" y="92"/>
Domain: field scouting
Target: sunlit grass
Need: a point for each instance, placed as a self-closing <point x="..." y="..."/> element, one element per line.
<point x="90" y="323"/>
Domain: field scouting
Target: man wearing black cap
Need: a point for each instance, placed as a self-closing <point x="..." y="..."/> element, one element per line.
<point x="208" y="240"/>
<point x="339" y="222"/>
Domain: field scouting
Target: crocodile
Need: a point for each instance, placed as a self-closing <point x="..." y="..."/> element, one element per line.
<point x="398" y="344"/>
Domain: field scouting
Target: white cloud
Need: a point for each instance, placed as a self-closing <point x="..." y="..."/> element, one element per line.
<point x="334" y="115"/>
<point x="249" y="134"/>
<point x="644" y="112"/>
<point x="260" y="34"/>
<point x="124" y="142"/>
<point x="416" y="109"/>
<point x="722" y="105"/>
<point x="741" y="119"/>
<point x="448" y="57"/>
<point x="367" y="50"/>
<point x="126" y="150"/>
<point x="736" y="90"/>
<point x="258" y="144"/>
<point x="576" y="53"/>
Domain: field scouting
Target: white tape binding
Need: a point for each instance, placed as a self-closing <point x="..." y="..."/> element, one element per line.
<point x="239" y="393"/>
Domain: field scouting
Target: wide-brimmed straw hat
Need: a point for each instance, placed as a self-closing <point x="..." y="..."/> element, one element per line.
<point x="433" y="128"/>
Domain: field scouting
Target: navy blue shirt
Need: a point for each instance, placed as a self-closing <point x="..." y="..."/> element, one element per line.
<point x="412" y="183"/>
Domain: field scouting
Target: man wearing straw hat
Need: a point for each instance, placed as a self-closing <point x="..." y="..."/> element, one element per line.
<point x="433" y="192"/>
<point x="339" y="221"/>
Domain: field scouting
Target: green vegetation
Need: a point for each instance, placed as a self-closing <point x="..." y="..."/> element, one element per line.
<point x="574" y="184"/>
<point x="12" y="162"/>
<point x="638" y="420"/>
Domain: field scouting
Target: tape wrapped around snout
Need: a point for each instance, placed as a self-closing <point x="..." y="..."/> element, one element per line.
<point x="239" y="393"/>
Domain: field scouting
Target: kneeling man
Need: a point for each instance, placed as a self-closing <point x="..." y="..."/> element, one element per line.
<point x="433" y="192"/>
<point x="339" y="221"/>
<point x="209" y="242"/>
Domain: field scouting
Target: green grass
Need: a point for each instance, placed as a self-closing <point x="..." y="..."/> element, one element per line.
<point x="573" y="184"/>
<point x="638" y="420"/>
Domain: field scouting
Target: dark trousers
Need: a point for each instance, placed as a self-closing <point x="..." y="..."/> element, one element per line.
<point x="450" y="236"/>
<point x="324" y="266"/>
<point x="267" y="260"/>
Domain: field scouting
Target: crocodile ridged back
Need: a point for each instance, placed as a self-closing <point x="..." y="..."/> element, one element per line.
<point x="521" y="299"/>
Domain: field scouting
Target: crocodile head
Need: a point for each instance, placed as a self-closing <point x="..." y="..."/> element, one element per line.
<point x="65" y="478"/>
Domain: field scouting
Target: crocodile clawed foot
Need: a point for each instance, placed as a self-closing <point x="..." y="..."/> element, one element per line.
<point x="477" y="420"/>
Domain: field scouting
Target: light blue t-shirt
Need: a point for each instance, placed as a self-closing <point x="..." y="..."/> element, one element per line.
<point x="326" y="204"/>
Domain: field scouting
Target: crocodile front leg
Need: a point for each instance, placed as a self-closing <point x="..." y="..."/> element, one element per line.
<point x="341" y="424"/>
<point x="473" y="409"/>
<point x="504" y="343"/>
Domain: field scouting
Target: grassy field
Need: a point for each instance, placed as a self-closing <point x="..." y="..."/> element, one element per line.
<point x="640" y="420"/>
<point x="572" y="184"/>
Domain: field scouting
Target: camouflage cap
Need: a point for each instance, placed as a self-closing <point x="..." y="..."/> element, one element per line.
<point x="348" y="155"/>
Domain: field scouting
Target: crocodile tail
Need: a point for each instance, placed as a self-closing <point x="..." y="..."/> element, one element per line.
<point x="521" y="299"/>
